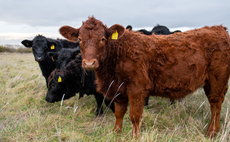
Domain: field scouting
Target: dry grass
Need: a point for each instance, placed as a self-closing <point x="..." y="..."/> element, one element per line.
<point x="26" y="116"/>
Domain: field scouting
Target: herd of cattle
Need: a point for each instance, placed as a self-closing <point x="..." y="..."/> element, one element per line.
<point x="118" y="65"/>
<point x="62" y="58"/>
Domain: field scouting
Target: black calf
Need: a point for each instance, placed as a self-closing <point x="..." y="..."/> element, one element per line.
<point x="71" y="80"/>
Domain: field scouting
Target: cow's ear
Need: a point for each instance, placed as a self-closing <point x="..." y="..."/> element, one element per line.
<point x="53" y="55"/>
<point x="70" y="33"/>
<point x="27" y="43"/>
<point x="52" y="45"/>
<point x="129" y="27"/>
<point x="59" y="78"/>
<point x="116" y="31"/>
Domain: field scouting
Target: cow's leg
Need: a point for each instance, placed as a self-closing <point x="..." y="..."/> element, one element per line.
<point x="137" y="104"/>
<point x="120" y="110"/>
<point x="215" y="91"/>
<point x="172" y="101"/>
<point x="99" y="98"/>
<point x="147" y="101"/>
<point x="81" y="94"/>
<point x="110" y="104"/>
<point x="46" y="81"/>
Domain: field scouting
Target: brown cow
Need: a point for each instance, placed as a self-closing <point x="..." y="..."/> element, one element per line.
<point x="132" y="66"/>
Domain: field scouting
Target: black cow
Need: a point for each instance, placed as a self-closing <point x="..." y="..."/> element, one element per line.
<point x="158" y="30"/>
<point x="144" y="32"/>
<point x="64" y="56"/>
<point x="40" y="46"/>
<point x="162" y="30"/>
<point x="129" y="27"/>
<point x="73" y="79"/>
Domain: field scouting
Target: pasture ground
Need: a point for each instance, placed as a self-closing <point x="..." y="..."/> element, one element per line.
<point x="26" y="116"/>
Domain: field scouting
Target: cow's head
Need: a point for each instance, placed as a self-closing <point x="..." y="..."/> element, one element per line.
<point x="57" y="88"/>
<point x="160" y="30"/>
<point x="40" y="46"/>
<point x="64" y="56"/>
<point x="93" y="37"/>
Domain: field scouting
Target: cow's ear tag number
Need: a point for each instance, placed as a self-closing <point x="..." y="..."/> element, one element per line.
<point x="52" y="47"/>
<point x="59" y="79"/>
<point x="115" y="35"/>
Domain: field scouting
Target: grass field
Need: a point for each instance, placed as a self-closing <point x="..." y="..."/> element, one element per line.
<point x="26" y="116"/>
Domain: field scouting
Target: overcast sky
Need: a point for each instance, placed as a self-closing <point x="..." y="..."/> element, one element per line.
<point x="24" y="19"/>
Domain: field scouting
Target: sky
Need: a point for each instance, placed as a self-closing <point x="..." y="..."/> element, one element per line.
<point x="24" y="19"/>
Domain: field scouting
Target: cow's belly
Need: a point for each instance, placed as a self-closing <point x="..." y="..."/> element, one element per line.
<point x="181" y="77"/>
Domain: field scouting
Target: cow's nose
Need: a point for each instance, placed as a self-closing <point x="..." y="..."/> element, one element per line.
<point x="90" y="64"/>
<point x="39" y="59"/>
<point x="48" y="99"/>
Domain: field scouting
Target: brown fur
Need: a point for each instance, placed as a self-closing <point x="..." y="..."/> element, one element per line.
<point x="135" y="66"/>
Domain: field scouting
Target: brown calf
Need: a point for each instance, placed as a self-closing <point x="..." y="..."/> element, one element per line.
<point x="132" y="66"/>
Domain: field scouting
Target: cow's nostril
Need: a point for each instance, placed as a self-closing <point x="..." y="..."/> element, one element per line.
<point x="39" y="59"/>
<point x="89" y="63"/>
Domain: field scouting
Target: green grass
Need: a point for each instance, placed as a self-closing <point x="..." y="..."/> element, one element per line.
<point x="26" y="116"/>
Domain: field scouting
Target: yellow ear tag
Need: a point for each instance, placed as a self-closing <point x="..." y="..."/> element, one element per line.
<point x="52" y="47"/>
<point x="59" y="79"/>
<point x="115" y="35"/>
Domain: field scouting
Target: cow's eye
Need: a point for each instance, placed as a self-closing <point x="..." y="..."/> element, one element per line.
<point x="53" y="85"/>
<point x="79" y="39"/>
<point x="103" y="39"/>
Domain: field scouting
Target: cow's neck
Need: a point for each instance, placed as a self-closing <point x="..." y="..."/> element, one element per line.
<point x="47" y="66"/>
<point x="70" y="71"/>
<point x="106" y="72"/>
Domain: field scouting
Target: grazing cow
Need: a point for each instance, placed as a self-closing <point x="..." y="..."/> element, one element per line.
<point x="40" y="46"/>
<point x="70" y="80"/>
<point x="64" y="56"/>
<point x="130" y="66"/>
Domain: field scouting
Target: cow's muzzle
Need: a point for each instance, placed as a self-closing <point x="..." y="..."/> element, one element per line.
<point x="90" y="64"/>
<point x="38" y="59"/>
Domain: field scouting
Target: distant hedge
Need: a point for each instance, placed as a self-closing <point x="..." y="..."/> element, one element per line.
<point x="13" y="50"/>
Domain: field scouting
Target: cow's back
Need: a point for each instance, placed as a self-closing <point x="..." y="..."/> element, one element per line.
<point x="184" y="61"/>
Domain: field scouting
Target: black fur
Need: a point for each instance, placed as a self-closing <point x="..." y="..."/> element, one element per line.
<point x="158" y="30"/>
<point x="73" y="82"/>
<point x="64" y="56"/>
<point x="129" y="27"/>
<point x="162" y="30"/>
<point x="40" y="46"/>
